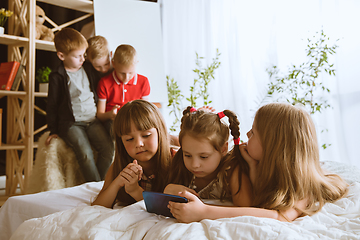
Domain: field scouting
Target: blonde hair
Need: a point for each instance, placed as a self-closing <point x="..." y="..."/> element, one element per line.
<point x="69" y="39"/>
<point x="290" y="170"/>
<point x="207" y="125"/>
<point x="144" y="115"/>
<point x="98" y="48"/>
<point x="125" y="55"/>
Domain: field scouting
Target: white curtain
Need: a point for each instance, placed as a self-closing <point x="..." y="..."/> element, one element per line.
<point x="254" y="35"/>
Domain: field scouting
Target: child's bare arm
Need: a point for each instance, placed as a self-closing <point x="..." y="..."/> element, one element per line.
<point x="196" y="210"/>
<point x="100" y="110"/>
<point x="127" y="178"/>
<point x="108" y="193"/>
<point x="102" y="115"/>
<point x="244" y="196"/>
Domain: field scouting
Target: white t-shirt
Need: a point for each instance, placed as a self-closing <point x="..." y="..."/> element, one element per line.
<point x="82" y="98"/>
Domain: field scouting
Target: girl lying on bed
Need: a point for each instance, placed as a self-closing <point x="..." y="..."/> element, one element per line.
<point x="142" y="155"/>
<point x="203" y="163"/>
<point x="288" y="182"/>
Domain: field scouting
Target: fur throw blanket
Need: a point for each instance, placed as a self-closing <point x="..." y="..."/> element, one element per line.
<point x="55" y="167"/>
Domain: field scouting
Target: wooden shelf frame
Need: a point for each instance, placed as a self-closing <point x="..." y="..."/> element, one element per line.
<point x="78" y="5"/>
<point x="22" y="45"/>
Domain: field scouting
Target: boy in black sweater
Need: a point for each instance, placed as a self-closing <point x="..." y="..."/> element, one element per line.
<point x="71" y="106"/>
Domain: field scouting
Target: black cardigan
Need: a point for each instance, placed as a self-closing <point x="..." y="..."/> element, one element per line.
<point x="59" y="113"/>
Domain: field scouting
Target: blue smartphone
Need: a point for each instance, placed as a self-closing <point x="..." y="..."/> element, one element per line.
<point x="156" y="202"/>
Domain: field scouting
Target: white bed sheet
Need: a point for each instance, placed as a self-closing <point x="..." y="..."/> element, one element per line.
<point x="339" y="220"/>
<point x="18" y="209"/>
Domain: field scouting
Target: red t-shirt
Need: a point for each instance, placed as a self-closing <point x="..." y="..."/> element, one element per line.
<point x="115" y="92"/>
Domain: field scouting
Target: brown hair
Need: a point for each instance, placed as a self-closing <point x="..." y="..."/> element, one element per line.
<point x="98" y="48"/>
<point x="69" y="39"/>
<point x="144" y="115"/>
<point x="125" y="55"/>
<point x="290" y="170"/>
<point x="207" y="125"/>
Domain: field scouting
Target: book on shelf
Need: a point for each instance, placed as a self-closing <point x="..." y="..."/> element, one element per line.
<point x="8" y="72"/>
<point x="17" y="80"/>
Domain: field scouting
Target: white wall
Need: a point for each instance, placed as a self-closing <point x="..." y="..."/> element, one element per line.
<point x="136" y="23"/>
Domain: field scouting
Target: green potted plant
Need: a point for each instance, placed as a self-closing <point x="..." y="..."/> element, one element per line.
<point x="303" y="84"/>
<point x="198" y="91"/>
<point x="4" y="15"/>
<point x="42" y="76"/>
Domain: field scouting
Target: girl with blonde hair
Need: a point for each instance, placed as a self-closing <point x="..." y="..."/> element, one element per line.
<point x="99" y="55"/>
<point x="288" y="182"/>
<point x="203" y="164"/>
<point x="142" y="155"/>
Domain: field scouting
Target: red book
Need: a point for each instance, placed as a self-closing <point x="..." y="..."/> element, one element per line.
<point x="8" y="71"/>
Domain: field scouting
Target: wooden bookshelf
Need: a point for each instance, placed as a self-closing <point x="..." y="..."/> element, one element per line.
<point x="78" y="5"/>
<point x="22" y="45"/>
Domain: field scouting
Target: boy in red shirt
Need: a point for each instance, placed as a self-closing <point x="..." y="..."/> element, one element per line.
<point x="121" y="86"/>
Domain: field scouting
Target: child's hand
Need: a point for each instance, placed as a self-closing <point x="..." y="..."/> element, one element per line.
<point x="140" y="170"/>
<point x="132" y="170"/>
<point x="47" y="142"/>
<point x="243" y="150"/>
<point x="207" y="109"/>
<point x="114" y="111"/>
<point x="120" y="180"/>
<point x="252" y="162"/>
<point x="192" y="211"/>
<point x="132" y="173"/>
<point x="175" y="189"/>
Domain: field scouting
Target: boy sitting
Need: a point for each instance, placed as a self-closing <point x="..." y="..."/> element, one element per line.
<point x="71" y="106"/>
<point x="99" y="55"/>
<point x="120" y="87"/>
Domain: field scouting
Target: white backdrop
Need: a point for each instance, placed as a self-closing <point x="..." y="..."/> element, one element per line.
<point x="251" y="36"/>
<point x="136" y="23"/>
<point x="254" y="35"/>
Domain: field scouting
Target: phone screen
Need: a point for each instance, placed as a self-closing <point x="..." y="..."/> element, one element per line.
<point x="157" y="202"/>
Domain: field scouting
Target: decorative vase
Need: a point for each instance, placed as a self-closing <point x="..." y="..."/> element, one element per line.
<point x="43" y="87"/>
<point x="2" y="30"/>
